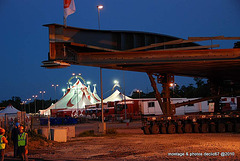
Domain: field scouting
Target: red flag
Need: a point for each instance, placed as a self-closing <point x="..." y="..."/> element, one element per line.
<point x="69" y="7"/>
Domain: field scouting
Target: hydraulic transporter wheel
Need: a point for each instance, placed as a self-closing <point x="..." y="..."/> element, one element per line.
<point x="154" y="129"/>
<point x="188" y="128"/>
<point x="171" y="129"/>
<point x="146" y="129"/>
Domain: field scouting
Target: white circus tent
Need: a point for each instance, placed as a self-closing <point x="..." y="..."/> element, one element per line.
<point x="116" y="96"/>
<point x="9" y="110"/>
<point x="76" y="97"/>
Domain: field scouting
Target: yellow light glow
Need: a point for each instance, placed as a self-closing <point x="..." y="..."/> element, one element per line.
<point x="100" y="6"/>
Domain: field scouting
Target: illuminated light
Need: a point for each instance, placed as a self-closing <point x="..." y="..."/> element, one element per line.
<point x="100" y="7"/>
<point x="88" y="82"/>
<point x="172" y="84"/>
<point x="115" y="82"/>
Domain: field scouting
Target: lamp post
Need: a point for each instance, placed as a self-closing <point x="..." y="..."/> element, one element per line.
<point x="102" y="126"/>
<point x="29" y="104"/>
<point x="35" y="104"/>
<point x="64" y="91"/>
<point x="173" y="85"/>
<point x="55" y="87"/>
<point x="73" y="74"/>
<point x="76" y="92"/>
<point x="139" y="92"/>
<point x="125" y="104"/>
<point x="24" y="103"/>
<point x="99" y="7"/>
<point x="23" y="106"/>
<point x="116" y="84"/>
<point x="42" y="92"/>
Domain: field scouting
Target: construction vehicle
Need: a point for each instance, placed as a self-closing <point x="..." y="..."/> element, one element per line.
<point x="196" y="118"/>
<point x="159" y="56"/>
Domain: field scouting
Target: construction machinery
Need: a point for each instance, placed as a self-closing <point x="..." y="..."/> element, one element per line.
<point x="161" y="57"/>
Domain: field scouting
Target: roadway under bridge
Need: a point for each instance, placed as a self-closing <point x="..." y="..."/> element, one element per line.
<point x="161" y="56"/>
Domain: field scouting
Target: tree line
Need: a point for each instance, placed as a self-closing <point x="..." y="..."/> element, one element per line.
<point x="200" y="89"/>
<point x="29" y="107"/>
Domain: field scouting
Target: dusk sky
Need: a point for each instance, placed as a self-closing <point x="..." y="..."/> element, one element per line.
<point x="24" y="40"/>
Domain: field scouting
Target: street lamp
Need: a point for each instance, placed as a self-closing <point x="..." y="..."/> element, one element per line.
<point x="23" y="106"/>
<point x="42" y="92"/>
<point x="76" y="92"/>
<point x="73" y="74"/>
<point x="116" y="84"/>
<point x="23" y="103"/>
<point x="64" y="91"/>
<point x="23" y="119"/>
<point x="173" y="85"/>
<point x="55" y="87"/>
<point x="88" y="82"/>
<point x="29" y="99"/>
<point x="139" y="92"/>
<point x="99" y="7"/>
<point x="35" y="104"/>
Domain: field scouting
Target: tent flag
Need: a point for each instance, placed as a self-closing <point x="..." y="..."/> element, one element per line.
<point x="69" y="8"/>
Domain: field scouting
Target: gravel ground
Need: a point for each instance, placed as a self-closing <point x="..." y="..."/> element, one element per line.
<point x="131" y="144"/>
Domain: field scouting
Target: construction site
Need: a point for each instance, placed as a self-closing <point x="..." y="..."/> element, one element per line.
<point x="84" y="125"/>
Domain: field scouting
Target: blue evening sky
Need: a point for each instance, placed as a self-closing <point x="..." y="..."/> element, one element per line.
<point x="24" y="41"/>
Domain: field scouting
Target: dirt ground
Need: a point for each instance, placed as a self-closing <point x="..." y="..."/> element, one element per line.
<point x="131" y="144"/>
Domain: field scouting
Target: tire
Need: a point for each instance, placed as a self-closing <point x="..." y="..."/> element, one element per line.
<point x="213" y="128"/>
<point x="163" y="130"/>
<point x="237" y="127"/>
<point x="230" y="127"/>
<point x="196" y="128"/>
<point x="204" y="128"/>
<point x="179" y="129"/>
<point x="154" y="129"/>
<point x="146" y="129"/>
<point x="221" y="127"/>
<point x="171" y="129"/>
<point x="188" y="128"/>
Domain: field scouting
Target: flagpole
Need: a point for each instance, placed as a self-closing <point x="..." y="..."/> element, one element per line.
<point x="68" y="9"/>
<point x="64" y="18"/>
<point x="65" y="21"/>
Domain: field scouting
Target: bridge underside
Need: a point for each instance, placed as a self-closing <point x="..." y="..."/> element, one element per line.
<point x="142" y="52"/>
